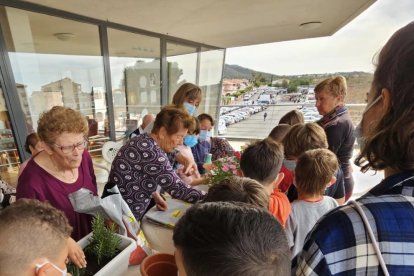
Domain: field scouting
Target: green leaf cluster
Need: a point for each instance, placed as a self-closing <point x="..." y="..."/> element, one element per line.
<point x="103" y="242"/>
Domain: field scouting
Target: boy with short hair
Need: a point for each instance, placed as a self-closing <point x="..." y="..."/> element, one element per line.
<point x="239" y="189"/>
<point x="34" y="239"/>
<point x="315" y="171"/>
<point x="229" y="239"/>
<point x="262" y="162"/>
<point x="300" y="138"/>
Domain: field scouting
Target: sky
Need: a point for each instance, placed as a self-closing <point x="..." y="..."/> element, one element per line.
<point x="352" y="48"/>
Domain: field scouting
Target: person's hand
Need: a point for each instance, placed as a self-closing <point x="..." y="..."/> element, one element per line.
<point x="189" y="165"/>
<point x="76" y="254"/>
<point x="208" y="166"/>
<point x="159" y="201"/>
<point x="200" y="181"/>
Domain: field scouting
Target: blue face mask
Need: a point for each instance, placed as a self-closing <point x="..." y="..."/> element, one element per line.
<point x="190" y="140"/>
<point x="204" y="135"/>
<point x="191" y="109"/>
<point x="290" y="164"/>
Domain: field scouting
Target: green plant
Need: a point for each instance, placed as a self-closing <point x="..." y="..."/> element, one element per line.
<point x="103" y="242"/>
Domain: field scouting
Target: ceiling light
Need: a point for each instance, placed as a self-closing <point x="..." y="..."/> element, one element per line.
<point x="309" y="26"/>
<point x="64" y="36"/>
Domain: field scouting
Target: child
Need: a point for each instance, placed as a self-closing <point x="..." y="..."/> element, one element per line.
<point x="239" y="189"/>
<point x="189" y="141"/>
<point x="279" y="132"/>
<point x="300" y="138"/>
<point x="315" y="171"/>
<point x="223" y="238"/>
<point x="203" y="147"/>
<point x="262" y="162"/>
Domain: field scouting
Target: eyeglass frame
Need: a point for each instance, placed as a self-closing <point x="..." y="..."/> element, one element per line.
<point x="72" y="147"/>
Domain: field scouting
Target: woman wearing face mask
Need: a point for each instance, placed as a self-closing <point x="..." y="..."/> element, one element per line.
<point x="189" y="141"/>
<point x="341" y="242"/>
<point x="187" y="97"/>
<point x="336" y="122"/>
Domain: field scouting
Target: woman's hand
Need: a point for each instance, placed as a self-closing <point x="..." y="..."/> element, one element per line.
<point x="189" y="165"/>
<point x="159" y="201"/>
<point x="76" y="254"/>
<point x="200" y="181"/>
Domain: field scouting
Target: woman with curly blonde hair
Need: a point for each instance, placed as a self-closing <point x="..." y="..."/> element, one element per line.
<point x="63" y="167"/>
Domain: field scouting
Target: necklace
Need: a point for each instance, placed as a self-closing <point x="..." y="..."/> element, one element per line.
<point x="62" y="174"/>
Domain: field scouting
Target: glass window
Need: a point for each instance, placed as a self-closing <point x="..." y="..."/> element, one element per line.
<point x="56" y="62"/>
<point x="9" y="157"/>
<point x="182" y="66"/>
<point x="211" y="67"/>
<point x="135" y="73"/>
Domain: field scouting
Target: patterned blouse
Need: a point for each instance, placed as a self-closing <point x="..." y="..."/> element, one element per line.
<point x="139" y="167"/>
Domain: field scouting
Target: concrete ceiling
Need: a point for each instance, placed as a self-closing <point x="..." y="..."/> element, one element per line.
<point x="221" y="23"/>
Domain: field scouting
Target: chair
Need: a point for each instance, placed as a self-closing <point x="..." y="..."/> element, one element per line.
<point x="109" y="151"/>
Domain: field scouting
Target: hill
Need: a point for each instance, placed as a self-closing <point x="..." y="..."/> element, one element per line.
<point x="358" y="82"/>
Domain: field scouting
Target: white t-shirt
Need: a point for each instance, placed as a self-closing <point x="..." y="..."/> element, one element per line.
<point x="303" y="217"/>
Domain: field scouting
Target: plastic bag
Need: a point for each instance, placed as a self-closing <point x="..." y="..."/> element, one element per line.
<point x="111" y="205"/>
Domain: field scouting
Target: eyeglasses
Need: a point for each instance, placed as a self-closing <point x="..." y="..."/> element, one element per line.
<point x="69" y="149"/>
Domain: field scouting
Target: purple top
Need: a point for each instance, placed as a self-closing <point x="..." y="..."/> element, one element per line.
<point x="37" y="183"/>
<point x="139" y="167"/>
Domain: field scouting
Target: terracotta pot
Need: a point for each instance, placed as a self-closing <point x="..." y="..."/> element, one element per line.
<point x="160" y="264"/>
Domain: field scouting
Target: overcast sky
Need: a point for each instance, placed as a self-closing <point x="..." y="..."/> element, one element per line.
<point x="350" y="49"/>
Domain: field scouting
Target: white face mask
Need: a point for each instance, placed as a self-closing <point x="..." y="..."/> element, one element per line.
<point x="361" y="140"/>
<point x="64" y="271"/>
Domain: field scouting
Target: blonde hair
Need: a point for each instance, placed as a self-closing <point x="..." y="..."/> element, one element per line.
<point x="279" y="132"/>
<point x="293" y="117"/>
<point x="335" y="86"/>
<point x="58" y="120"/>
<point x="314" y="170"/>
<point x="303" y="137"/>
<point x="187" y="91"/>
<point x="239" y="189"/>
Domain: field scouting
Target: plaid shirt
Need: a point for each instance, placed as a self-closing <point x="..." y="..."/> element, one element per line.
<point x="339" y="244"/>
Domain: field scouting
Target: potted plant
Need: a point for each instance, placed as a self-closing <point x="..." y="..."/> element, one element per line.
<point x="107" y="253"/>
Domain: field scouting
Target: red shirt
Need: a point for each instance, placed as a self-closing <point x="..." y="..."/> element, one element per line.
<point x="286" y="182"/>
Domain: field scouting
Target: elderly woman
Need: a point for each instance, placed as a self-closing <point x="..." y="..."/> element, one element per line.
<point x="336" y="122"/>
<point x="142" y="164"/>
<point x="341" y="242"/>
<point x="63" y="167"/>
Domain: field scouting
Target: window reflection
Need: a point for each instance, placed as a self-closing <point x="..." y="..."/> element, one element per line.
<point x="56" y="62"/>
<point x="182" y="66"/>
<point x="135" y="72"/>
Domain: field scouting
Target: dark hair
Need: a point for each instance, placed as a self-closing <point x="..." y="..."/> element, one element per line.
<point x="262" y="161"/>
<point x="314" y="170"/>
<point x="293" y="117"/>
<point x="390" y="143"/>
<point x="31" y="140"/>
<point x="172" y="119"/>
<point x="222" y="238"/>
<point x="29" y="230"/>
<point x="279" y="132"/>
<point x="205" y="116"/>
<point x="188" y="91"/>
<point x="303" y="137"/>
<point x="240" y="189"/>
